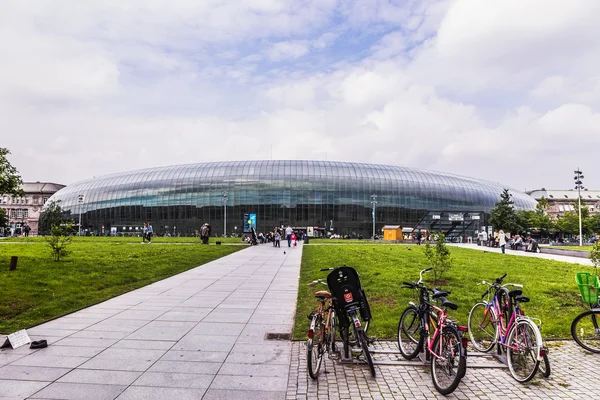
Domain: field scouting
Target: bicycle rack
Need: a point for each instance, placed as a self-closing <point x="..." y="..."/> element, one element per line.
<point x="483" y="359"/>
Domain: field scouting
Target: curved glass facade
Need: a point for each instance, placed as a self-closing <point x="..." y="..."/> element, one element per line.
<point x="334" y="196"/>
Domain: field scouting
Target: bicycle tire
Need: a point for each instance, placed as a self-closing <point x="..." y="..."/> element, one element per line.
<point x="454" y="357"/>
<point x="332" y="332"/>
<point x="410" y="340"/>
<point x="345" y="341"/>
<point x="545" y="369"/>
<point x="314" y="348"/>
<point x="364" y="344"/>
<point x="525" y="331"/>
<point x="477" y="330"/>
<point x="581" y="326"/>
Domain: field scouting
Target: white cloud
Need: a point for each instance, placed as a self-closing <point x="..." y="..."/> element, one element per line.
<point x="503" y="91"/>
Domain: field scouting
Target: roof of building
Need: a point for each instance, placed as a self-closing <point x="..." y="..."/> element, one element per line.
<point x="391" y="226"/>
<point x="41" y="187"/>
<point x="564" y="194"/>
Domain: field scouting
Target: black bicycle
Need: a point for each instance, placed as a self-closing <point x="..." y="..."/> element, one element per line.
<point x="352" y="309"/>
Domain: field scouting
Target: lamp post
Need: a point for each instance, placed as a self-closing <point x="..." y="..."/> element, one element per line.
<point x="374" y="203"/>
<point x="225" y="194"/>
<point x="80" y="200"/>
<point x="579" y="185"/>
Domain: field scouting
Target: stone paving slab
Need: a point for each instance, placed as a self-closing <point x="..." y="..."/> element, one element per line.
<point x="571" y="378"/>
<point x="200" y="332"/>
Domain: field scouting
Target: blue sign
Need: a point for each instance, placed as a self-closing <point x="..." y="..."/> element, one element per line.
<point x="249" y="222"/>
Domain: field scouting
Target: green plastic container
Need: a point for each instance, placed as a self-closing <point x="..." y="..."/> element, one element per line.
<point x="588" y="287"/>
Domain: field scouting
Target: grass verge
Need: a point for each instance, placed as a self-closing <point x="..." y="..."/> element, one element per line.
<point x="41" y="289"/>
<point x="549" y="284"/>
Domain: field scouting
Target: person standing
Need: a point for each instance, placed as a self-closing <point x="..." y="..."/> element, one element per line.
<point x="419" y="235"/>
<point x="502" y="241"/>
<point x="288" y="235"/>
<point x="149" y="234"/>
<point x="277" y="241"/>
<point x="293" y="239"/>
<point x="144" y="232"/>
<point x="204" y="234"/>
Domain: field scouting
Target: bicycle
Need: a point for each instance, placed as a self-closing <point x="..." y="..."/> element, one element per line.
<point x="352" y="309"/>
<point x="446" y="348"/>
<point x="585" y="328"/>
<point x="321" y="333"/>
<point x="489" y="325"/>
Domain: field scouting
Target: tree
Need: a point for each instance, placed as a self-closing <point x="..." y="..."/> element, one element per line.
<point x="3" y="218"/>
<point x="59" y="239"/>
<point x="10" y="180"/>
<point x="439" y="258"/>
<point x="503" y="215"/>
<point x="595" y="256"/>
<point x="569" y="222"/>
<point x="51" y="216"/>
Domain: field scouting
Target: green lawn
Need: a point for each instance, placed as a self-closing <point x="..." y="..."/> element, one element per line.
<point x="550" y="285"/>
<point x="96" y="270"/>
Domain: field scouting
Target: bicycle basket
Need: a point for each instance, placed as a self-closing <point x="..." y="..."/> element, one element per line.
<point x="588" y="287"/>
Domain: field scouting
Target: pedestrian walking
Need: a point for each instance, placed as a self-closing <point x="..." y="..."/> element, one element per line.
<point x="294" y="239"/>
<point x="419" y="236"/>
<point x="149" y="234"/>
<point x="502" y="241"/>
<point x="288" y="235"/>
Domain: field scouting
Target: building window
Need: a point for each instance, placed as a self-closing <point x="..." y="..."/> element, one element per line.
<point x="25" y="213"/>
<point x="45" y="199"/>
<point x="561" y="207"/>
<point x="13" y="213"/>
<point x="19" y="213"/>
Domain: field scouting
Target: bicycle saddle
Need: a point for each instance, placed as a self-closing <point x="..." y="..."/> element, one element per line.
<point x="522" y="299"/>
<point x="323" y="293"/>
<point x="515" y="293"/>
<point x="448" y="304"/>
<point x="439" y="293"/>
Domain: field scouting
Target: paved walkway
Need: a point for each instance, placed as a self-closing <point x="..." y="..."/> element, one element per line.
<point x="197" y="335"/>
<point x="572" y="377"/>
<point x="555" y="257"/>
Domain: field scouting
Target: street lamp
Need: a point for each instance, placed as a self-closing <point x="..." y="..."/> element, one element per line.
<point x="80" y="200"/>
<point x="579" y="185"/>
<point x="374" y="203"/>
<point x="225" y="194"/>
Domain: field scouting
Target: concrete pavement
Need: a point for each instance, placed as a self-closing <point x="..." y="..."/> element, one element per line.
<point x="521" y="253"/>
<point x="199" y="334"/>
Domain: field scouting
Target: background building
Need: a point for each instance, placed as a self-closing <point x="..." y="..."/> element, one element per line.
<point x="332" y="197"/>
<point x="561" y="201"/>
<point x="26" y="209"/>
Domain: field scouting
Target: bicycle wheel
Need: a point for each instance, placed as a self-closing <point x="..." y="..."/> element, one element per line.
<point x="522" y="350"/>
<point x="449" y="369"/>
<point x="314" y="348"/>
<point x="545" y="367"/>
<point x="410" y="340"/>
<point x="364" y="344"/>
<point x="586" y="331"/>
<point x="482" y="326"/>
<point x="332" y="332"/>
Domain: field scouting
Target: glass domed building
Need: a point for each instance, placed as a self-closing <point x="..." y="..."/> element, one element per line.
<point x="331" y="197"/>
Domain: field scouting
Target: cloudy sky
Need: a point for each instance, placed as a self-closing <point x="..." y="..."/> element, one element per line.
<point x="507" y="91"/>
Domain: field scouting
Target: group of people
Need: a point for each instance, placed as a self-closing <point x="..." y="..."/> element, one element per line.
<point x="13" y="231"/>
<point x="501" y="240"/>
<point x="147" y="232"/>
<point x="275" y="237"/>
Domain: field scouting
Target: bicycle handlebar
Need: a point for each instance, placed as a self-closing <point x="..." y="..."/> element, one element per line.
<point x="499" y="280"/>
<point x="327" y="269"/>
<point x="317" y="281"/>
